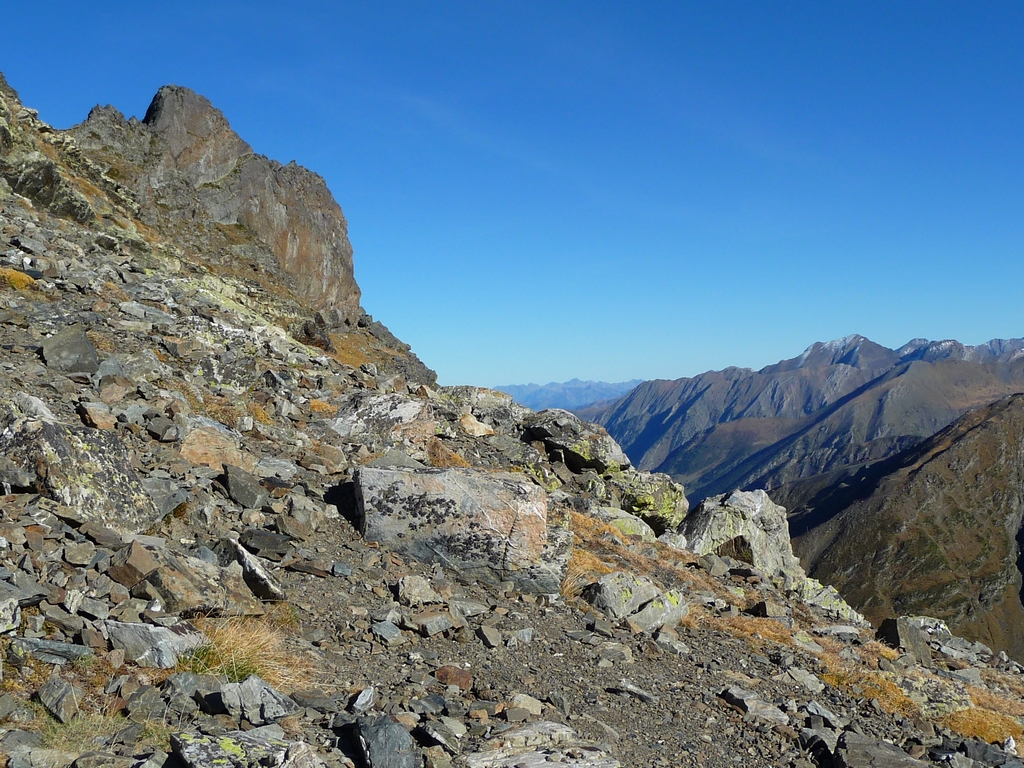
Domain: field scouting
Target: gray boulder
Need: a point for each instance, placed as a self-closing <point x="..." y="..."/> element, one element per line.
<point x="385" y="743"/>
<point x="857" y="751"/>
<point x="252" y="699"/>
<point x="239" y="749"/>
<point x="85" y="469"/>
<point x="488" y="526"/>
<point x="750" y="524"/>
<point x="619" y="594"/>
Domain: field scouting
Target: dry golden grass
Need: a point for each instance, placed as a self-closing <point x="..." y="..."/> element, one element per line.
<point x="441" y="456"/>
<point x="854" y="679"/>
<point x="259" y="414"/>
<point x="239" y="647"/>
<point x="321" y="406"/>
<point x="753" y="629"/>
<point x="985" y="724"/>
<point x="584" y="568"/>
<point x="985" y="698"/>
<point x="103" y="342"/>
<point x="113" y="292"/>
<point x="873" y="651"/>
<point x="19" y="281"/>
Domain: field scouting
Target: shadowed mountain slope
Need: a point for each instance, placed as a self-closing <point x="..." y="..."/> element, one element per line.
<point x="933" y="530"/>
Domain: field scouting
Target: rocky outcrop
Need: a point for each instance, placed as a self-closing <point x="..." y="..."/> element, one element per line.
<point x="185" y="157"/>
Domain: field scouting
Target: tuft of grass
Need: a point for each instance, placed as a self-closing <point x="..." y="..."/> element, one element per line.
<point x="752" y="628"/>
<point x="441" y="456"/>
<point x="584" y="568"/>
<point x="259" y="414"/>
<point x="985" y="724"/>
<point x="321" y="406"/>
<point x="17" y="280"/>
<point x="985" y="698"/>
<point x="240" y="647"/>
<point x="80" y="734"/>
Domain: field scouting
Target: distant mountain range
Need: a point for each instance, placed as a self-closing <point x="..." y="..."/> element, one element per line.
<point x="568" y="395"/>
<point x="840" y="403"/>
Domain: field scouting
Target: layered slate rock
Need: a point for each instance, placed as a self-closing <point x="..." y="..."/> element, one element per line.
<point x="490" y="526"/>
<point x="84" y="469"/>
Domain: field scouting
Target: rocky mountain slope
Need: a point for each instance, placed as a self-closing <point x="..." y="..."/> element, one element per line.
<point x="934" y="529"/>
<point x="237" y="530"/>
<point x="569" y="395"/>
<point x="840" y="403"/>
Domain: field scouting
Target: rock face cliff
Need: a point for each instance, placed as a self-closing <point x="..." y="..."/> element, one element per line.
<point x="838" y="404"/>
<point x="184" y="161"/>
<point x="934" y="530"/>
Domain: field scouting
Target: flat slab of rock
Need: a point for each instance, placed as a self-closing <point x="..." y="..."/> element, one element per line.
<point x="857" y="751"/>
<point x="539" y="744"/>
<point x="489" y="526"/>
<point x="252" y="699"/>
<point x="386" y="743"/>
<point x="70" y="351"/>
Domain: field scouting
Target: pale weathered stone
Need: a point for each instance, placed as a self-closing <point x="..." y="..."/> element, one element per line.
<point x="490" y="526"/>
<point x="619" y="594"/>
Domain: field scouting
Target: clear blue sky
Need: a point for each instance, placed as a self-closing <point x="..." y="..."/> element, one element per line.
<point x="538" y="191"/>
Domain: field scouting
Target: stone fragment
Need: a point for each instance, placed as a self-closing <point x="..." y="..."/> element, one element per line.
<point x="60" y="698"/>
<point x="210" y="447"/>
<point x="154" y="646"/>
<point x="490" y="636"/>
<point x="50" y="651"/>
<point x="628" y="688"/>
<point x="70" y="351"/>
<point x="258" y="578"/>
<point x="388" y="633"/>
<point x="474" y="427"/>
<point x="243" y="488"/>
<point x="615" y="652"/>
<point x="487" y="526"/>
<point x="653" y="497"/>
<point x="190" y="586"/>
<point x="239" y="749"/>
<point x="858" y="751"/>
<point x="807" y="679"/>
<point x="619" y="594"/>
<point x="630" y="525"/>
<point x="252" y="699"/>
<point x="97" y="415"/>
<point x="432" y="622"/>
<point x="385" y="743"/>
<point x="752" y="704"/>
<point x="768" y="610"/>
<point x="899" y="633"/>
<point x="457" y="676"/>
<point x="10" y="615"/>
<point x="527" y="702"/>
<point x="132" y="564"/>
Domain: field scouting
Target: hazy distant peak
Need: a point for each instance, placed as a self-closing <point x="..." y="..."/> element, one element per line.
<point x="569" y="395"/>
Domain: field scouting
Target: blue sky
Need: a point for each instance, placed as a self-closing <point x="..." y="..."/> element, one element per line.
<point x="542" y="191"/>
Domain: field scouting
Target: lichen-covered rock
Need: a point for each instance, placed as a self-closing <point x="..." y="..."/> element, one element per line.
<point x="238" y="749"/>
<point x="655" y="498"/>
<point x="619" y="594"/>
<point x="666" y="610"/>
<point x="630" y="525"/>
<point x="580" y="445"/>
<point x="85" y="469"/>
<point x="492" y="526"/>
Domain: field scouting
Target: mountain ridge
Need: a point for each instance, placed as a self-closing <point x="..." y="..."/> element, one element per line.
<point x="837" y="403"/>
